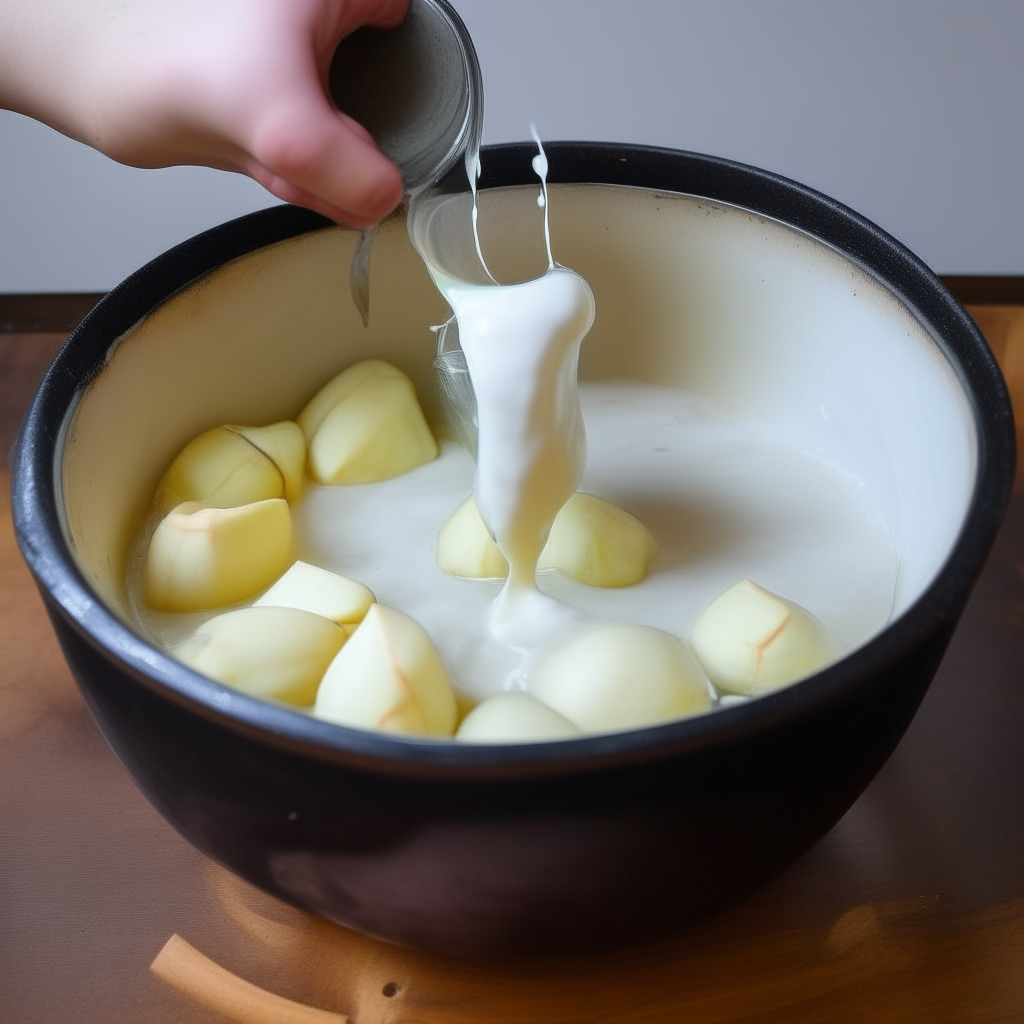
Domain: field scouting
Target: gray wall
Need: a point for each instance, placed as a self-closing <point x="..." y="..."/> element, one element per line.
<point x="908" y="110"/>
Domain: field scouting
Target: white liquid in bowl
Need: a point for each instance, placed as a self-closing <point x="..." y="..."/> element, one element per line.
<point x="724" y="498"/>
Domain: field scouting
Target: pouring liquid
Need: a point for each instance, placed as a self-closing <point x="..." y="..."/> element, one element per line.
<point x="522" y="347"/>
<point x="521" y="344"/>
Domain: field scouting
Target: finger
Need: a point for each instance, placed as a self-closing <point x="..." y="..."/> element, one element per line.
<point x="376" y="13"/>
<point x="359" y="129"/>
<point x="290" y="193"/>
<point x="327" y="27"/>
<point x="316" y="149"/>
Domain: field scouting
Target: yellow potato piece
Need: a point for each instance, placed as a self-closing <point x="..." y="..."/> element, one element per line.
<point x="751" y="641"/>
<point x="222" y="468"/>
<point x="319" y="591"/>
<point x="621" y="677"/>
<point x="388" y="677"/>
<point x="514" y="718"/>
<point x="339" y="387"/>
<point x="366" y="425"/>
<point x="279" y="653"/>
<point x="598" y="543"/>
<point x="203" y="557"/>
<point x="591" y="539"/>
<point x="465" y="548"/>
<point x="285" y="445"/>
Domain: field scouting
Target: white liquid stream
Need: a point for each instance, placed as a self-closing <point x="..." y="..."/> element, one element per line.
<point x="522" y="344"/>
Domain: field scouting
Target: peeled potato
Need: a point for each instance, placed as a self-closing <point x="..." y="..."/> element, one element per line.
<point x="281" y="653"/>
<point x="366" y="425"/>
<point x="319" y="591"/>
<point x="339" y="387"/>
<point x="621" y="677"/>
<point x="219" y="467"/>
<point x="598" y="543"/>
<point x="388" y="677"/>
<point x="465" y="548"/>
<point x="750" y="640"/>
<point x="285" y="445"/>
<point x="203" y="557"/>
<point x="591" y="539"/>
<point x="514" y="718"/>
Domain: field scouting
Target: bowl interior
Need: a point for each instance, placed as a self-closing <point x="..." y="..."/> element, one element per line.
<point x="771" y="326"/>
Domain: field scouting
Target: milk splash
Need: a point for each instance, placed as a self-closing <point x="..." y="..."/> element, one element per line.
<point x="521" y="344"/>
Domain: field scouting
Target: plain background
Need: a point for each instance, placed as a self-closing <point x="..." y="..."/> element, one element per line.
<point x="910" y="111"/>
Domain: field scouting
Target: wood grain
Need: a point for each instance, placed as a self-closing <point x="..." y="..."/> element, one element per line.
<point x="45" y="313"/>
<point x="1003" y="327"/>
<point x="911" y="909"/>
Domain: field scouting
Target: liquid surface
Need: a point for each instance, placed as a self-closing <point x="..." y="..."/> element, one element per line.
<point x="724" y="498"/>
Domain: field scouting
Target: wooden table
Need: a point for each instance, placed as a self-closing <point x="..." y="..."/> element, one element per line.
<point x="911" y="909"/>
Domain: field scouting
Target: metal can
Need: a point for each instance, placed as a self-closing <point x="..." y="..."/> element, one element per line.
<point x="416" y="88"/>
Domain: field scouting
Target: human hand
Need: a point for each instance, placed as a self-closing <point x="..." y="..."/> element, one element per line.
<point x="239" y="85"/>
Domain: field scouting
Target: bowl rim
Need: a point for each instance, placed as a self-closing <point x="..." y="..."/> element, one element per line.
<point x="37" y="462"/>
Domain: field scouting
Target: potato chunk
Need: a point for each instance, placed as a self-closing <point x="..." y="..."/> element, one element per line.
<point x="281" y="653"/>
<point x="598" y="543"/>
<point x="203" y="557"/>
<point x="388" y="677"/>
<point x="750" y="640"/>
<point x="514" y="718"/>
<point x="319" y="591"/>
<point x="339" y="387"/>
<point x="465" y="548"/>
<point x="222" y="468"/>
<point x="591" y="539"/>
<point x="366" y="425"/>
<point x="621" y="677"/>
<point x="285" y="445"/>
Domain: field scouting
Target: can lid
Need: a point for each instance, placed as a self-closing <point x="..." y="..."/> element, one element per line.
<point x="416" y="88"/>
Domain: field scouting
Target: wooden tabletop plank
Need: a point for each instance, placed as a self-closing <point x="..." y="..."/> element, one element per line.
<point x="1003" y="327"/>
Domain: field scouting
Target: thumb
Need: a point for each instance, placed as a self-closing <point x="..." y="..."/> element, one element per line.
<point x="305" y="151"/>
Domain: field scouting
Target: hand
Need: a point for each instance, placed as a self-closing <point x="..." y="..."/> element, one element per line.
<point x="236" y="84"/>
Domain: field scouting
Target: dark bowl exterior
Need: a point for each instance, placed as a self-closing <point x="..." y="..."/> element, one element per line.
<point x="467" y="866"/>
<point x="547" y="847"/>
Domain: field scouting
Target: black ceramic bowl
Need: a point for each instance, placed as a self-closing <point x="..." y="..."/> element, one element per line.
<point x="474" y="850"/>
